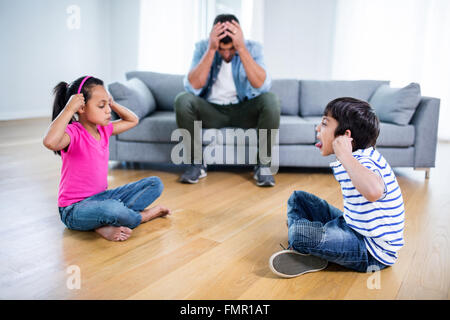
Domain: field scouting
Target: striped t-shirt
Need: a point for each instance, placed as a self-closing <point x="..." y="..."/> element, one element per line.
<point x="380" y="222"/>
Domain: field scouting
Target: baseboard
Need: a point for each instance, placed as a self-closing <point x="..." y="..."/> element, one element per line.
<point x="5" y="115"/>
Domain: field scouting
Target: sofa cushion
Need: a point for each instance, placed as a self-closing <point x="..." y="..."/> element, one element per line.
<point x="164" y="87"/>
<point x="391" y="135"/>
<point x="296" y="130"/>
<point x="156" y="128"/>
<point x="159" y="127"/>
<point x="396" y="105"/>
<point x="135" y="95"/>
<point x="287" y="91"/>
<point x="293" y="130"/>
<point x="315" y="94"/>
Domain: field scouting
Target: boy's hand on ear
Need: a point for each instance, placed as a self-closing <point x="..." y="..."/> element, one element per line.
<point x="75" y="102"/>
<point x="342" y="146"/>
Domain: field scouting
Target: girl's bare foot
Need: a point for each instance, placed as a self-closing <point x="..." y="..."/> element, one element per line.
<point x="154" y="212"/>
<point x="112" y="233"/>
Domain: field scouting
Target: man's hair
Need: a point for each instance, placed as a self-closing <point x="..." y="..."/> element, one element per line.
<point x="358" y="117"/>
<point x="224" y="18"/>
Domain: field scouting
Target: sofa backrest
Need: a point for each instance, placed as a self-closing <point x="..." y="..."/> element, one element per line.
<point x="288" y="91"/>
<point x="315" y="94"/>
<point x="306" y="98"/>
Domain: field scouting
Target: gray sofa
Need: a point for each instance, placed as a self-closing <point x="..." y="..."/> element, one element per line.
<point x="151" y="95"/>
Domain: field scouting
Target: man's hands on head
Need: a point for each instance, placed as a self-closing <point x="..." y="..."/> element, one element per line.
<point x="217" y="34"/>
<point x="234" y="31"/>
<point x="221" y="30"/>
<point x="198" y="76"/>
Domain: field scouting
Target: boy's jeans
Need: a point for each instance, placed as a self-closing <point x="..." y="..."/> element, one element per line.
<point x="319" y="229"/>
<point x="117" y="207"/>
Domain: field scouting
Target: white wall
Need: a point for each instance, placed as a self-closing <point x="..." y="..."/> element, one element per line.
<point x="125" y="19"/>
<point x="298" y="38"/>
<point x="39" y="50"/>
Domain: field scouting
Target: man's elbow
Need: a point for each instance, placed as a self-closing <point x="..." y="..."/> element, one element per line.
<point x="195" y="83"/>
<point x="259" y="83"/>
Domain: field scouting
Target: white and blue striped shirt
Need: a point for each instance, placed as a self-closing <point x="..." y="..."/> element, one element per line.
<point x="380" y="222"/>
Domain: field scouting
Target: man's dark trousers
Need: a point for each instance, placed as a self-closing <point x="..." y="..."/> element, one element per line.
<point x="261" y="112"/>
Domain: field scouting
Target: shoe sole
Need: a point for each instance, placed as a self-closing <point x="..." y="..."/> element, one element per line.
<point x="202" y="175"/>
<point x="295" y="264"/>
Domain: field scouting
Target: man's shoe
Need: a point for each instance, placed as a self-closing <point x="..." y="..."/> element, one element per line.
<point x="193" y="173"/>
<point x="263" y="177"/>
<point x="290" y="263"/>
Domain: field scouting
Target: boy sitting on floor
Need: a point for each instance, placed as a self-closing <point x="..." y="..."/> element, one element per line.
<point x="369" y="233"/>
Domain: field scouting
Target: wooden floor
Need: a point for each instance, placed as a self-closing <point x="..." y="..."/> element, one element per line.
<point x="215" y="245"/>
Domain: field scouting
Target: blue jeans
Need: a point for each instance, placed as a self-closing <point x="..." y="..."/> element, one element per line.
<point x="319" y="229"/>
<point x="117" y="207"/>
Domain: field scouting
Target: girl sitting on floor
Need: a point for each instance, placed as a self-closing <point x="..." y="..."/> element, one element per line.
<point x="83" y="199"/>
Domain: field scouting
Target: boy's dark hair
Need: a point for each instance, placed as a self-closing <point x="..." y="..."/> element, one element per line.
<point x="358" y="117"/>
<point x="63" y="91"/>
<point x="224" y="18"/>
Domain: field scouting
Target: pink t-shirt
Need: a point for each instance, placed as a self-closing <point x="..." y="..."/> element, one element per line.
<point x="84" y="171"/>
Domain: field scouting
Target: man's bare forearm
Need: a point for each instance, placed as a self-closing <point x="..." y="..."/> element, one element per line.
<point x="256" y="75"/>
<point x="199" y="75"/>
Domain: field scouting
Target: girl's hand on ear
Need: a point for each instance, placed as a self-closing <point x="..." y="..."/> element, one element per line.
<point x="75" y="102"/>
<point x="342" y="146"/>
<point x="110" y="101"/>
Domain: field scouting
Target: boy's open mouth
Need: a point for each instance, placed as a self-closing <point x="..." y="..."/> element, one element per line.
<point x="319" y="145"/>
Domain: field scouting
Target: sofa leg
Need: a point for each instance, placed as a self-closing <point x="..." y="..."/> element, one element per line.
<point x="427" y="172"/>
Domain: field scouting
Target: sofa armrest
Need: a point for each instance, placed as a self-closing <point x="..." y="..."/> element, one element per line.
<point x="425" y="121"/>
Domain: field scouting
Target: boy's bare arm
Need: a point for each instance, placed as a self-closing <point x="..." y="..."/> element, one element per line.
<point x="367" y="182"/>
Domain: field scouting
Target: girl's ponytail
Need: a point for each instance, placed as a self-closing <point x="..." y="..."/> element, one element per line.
<point x="61" y="98"/>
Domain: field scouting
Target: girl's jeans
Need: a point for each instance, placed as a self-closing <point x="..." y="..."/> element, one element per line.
<point x="117" y="207"/>
<point x="319" y="229"/>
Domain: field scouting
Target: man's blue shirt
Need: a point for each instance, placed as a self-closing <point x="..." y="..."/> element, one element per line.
<point x="244" y="89"/>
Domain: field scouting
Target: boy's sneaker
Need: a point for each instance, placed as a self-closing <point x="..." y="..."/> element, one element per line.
<point x="193" y="173"/>
<point x="263" y="176"/>
<point x="290" y="263"/>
